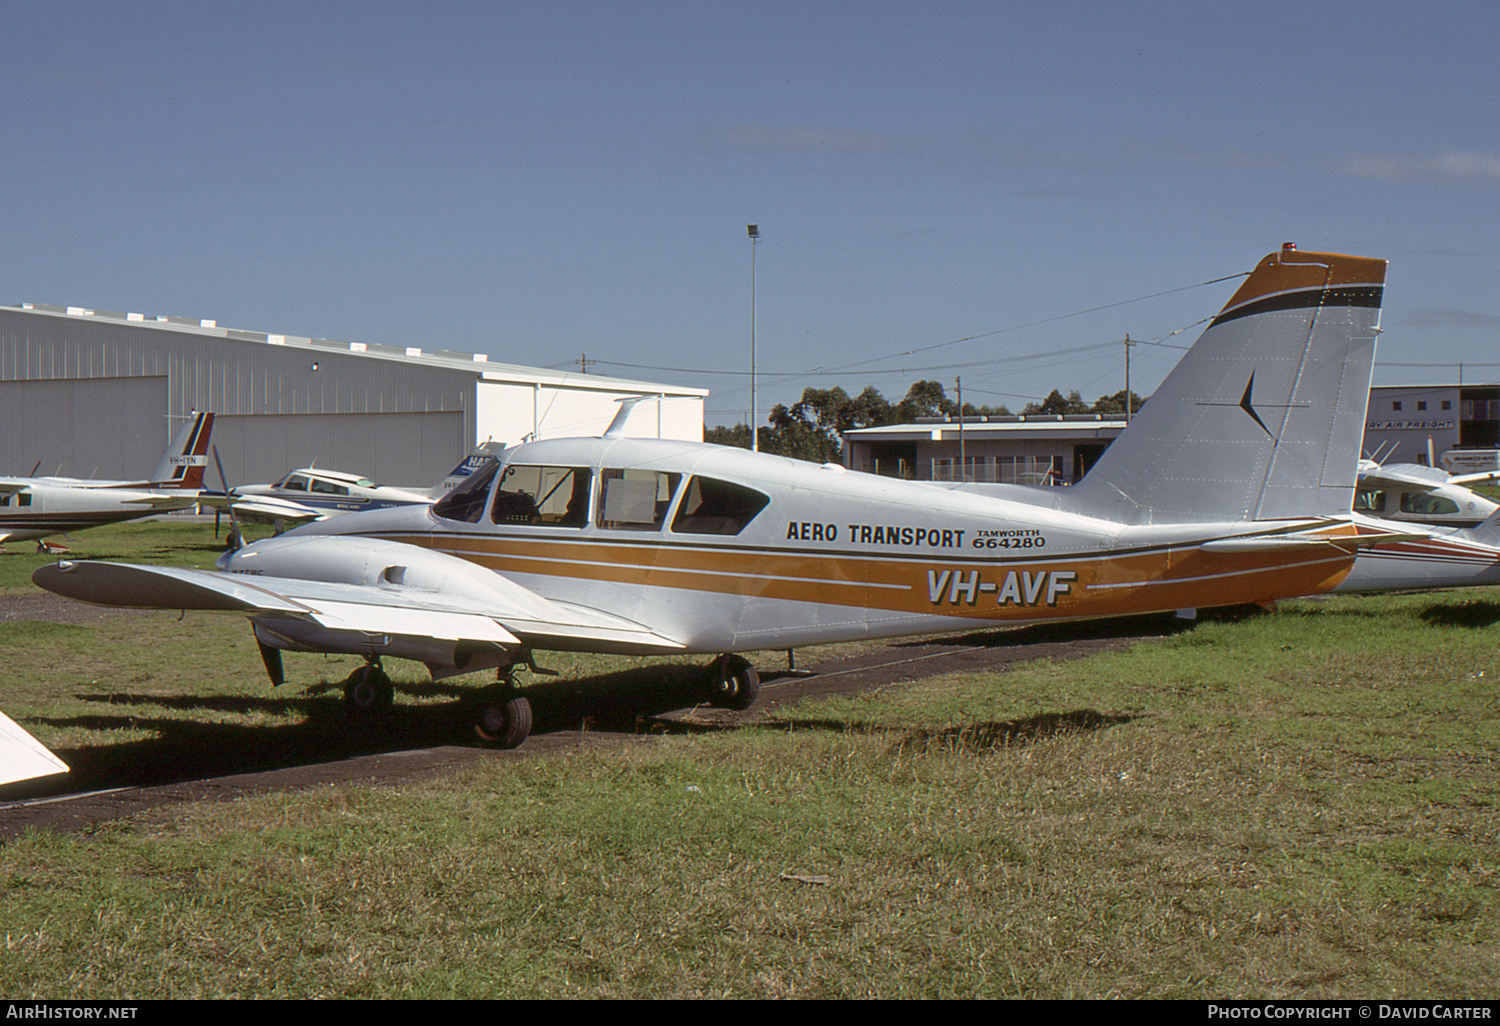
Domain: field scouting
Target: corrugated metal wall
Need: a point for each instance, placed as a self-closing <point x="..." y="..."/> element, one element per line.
<point x="329" y="392"/>
<point x="384" y="446"/>
<point x="108" y="428"/>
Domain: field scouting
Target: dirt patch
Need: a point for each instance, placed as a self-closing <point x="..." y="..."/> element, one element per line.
<point x="189" y="761"/>
<point x="42" y="605"/>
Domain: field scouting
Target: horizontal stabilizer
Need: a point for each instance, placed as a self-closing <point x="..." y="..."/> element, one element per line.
<point x="1287" y="542"/>
<point x="164" y="503"/>
<point x="22" y="756"/>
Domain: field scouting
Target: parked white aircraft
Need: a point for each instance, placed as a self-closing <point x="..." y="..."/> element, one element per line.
<point x="309" y="494"/>
<point x="1232" y="485"/>
<point x="1429" y="556"/>
<point x="35" y="507"/>
<point x="1414" y="494"/>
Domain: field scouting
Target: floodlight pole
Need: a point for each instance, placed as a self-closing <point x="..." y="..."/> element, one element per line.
<point x="754" y="232"/>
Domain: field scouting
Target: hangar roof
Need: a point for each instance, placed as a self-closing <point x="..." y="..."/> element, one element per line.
<point x="473" y="363"/>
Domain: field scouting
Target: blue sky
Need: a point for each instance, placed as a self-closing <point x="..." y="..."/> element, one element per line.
<point x="943" y="189"/>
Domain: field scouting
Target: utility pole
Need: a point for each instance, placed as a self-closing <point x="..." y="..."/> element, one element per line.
<point x="754" y="232"/>
<point x="1128" y="403"/>
<point x="963" y="455"/>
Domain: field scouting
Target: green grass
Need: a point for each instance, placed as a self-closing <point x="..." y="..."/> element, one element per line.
<point x="171" y="541"/>
<point x="1295" y="805"/>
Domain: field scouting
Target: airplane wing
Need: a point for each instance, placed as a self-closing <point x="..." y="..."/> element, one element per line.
<point x="507" y="614"/>
<point x="12" y="487"/>
<point x="164" y="502"/>
<point x="23" y="756"/>
<point x="1404" y="475"/>
<point x="1482" y="477"/>
<point x="263" y="509"/>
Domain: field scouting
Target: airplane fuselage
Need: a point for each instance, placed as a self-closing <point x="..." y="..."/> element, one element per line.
<point x="39" y="507"/>
<point x="725" y="550"/>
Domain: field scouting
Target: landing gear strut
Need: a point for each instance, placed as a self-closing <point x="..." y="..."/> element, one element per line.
<point x="733" y="683"/>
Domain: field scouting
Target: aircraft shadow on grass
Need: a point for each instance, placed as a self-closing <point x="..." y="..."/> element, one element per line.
<point x="1467" y="613"/>
<point x="186" y="749"/>
<point x="431" y="714"/>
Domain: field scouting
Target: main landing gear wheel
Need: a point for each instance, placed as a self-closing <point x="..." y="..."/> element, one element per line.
<point x="504" y="722"/>
<point x="733" y="683"/>
<point x="368" y="690"/>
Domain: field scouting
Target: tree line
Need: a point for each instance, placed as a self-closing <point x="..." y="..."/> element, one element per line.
<point x="813" y="428"/>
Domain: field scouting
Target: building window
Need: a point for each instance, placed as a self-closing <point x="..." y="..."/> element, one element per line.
<point x="1447" y="404"/>
<point x="1396" y="405"/>
<point x="1421" y="405"/>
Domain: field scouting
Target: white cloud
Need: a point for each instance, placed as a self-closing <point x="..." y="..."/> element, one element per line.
<point x="808" y="139"/>
<point x="1448" y="166"/>
<point x="1432" y="317"/>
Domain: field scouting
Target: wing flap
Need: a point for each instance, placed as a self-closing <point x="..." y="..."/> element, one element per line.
<point x="431" y="623"/>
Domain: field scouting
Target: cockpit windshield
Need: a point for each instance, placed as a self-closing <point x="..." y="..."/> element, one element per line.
<point x="466" y="502"/>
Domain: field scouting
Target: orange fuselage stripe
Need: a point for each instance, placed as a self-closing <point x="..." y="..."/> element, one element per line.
<point x="1073" y="586"/>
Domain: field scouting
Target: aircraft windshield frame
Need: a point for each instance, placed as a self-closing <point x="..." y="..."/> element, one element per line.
<point x="467" y="502"/>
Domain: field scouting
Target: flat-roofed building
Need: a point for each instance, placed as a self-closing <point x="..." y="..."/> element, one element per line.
<point x="1040" y="449"/>
<point x="1401" y="419"/>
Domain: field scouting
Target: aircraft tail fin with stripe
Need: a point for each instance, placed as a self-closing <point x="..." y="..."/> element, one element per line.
<point x="186" y="459"/>
<point x="1262" y="419"/>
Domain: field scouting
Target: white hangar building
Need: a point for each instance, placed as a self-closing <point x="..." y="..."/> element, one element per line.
<point x="93" y="394"/>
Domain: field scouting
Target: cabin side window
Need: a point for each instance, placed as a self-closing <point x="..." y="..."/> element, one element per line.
<point x="1369" y="500"/>
<point x="323" y="487"/>
<point x="466" y="502"/>
<point x="295" y="482"/>
<point x="1422" y="504"/>
<point x="717" y="507"/>
<point x="545" y="496"/>
<point x="635" y="500"/>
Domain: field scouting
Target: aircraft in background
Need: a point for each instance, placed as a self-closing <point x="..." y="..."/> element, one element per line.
<point x="1414" y="494"/>
<point x="1233" y="485"/>
<point x="1426" y="558"/>
<point x="309" y="494"/>
<point x="312" y="494"/>
<point x="35" y="507"/>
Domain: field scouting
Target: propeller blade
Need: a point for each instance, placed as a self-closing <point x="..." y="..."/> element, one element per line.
<point x="236" y="537"/>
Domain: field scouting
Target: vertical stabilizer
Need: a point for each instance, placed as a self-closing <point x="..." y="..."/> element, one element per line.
<point x="1263" y="418"/>
<point x="186" y="458"/>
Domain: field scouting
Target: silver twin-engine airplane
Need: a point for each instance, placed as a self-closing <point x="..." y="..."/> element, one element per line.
<point x="35" y="507"/>
<point x="1233" y="485"/>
